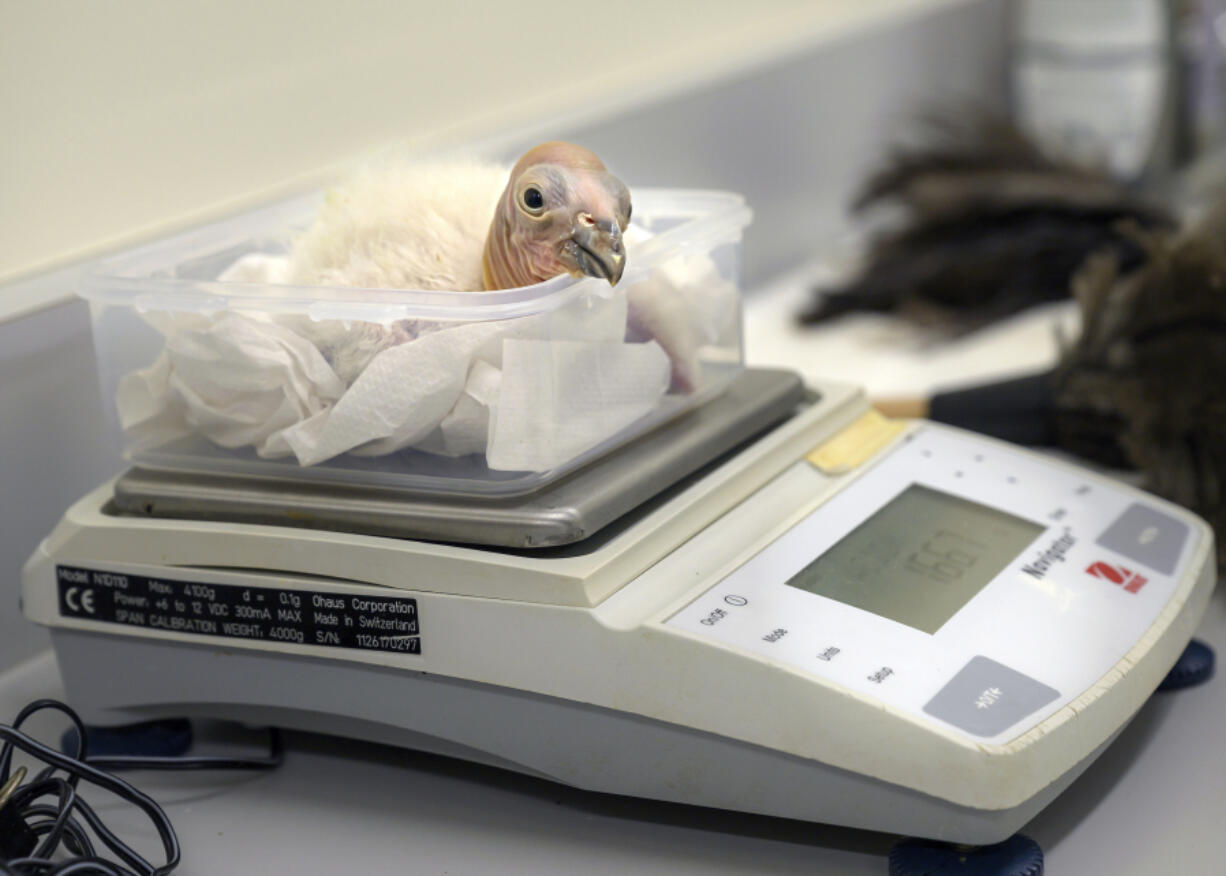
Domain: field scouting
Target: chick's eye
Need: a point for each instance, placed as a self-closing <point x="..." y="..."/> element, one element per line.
<point x="533" y="199"/>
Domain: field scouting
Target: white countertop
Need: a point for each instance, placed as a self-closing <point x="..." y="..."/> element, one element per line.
<point x="885" y="355"/>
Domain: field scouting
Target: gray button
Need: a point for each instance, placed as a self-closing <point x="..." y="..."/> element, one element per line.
<point x="1147" y="536"/>
<point x="986" y="697"/>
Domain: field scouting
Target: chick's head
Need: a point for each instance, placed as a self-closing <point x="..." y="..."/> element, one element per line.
<point x="562" y="212"/>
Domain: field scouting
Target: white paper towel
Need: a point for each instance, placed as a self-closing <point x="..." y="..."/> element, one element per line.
<point x="466" y="429"/>
<point x="253" y="379"/>
<point x="559" y="399"/>
<point x="531" y="393"/>
<point x="235" y="378"/>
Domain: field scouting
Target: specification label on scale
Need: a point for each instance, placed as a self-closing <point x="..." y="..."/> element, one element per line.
<point x="293" y="617"/>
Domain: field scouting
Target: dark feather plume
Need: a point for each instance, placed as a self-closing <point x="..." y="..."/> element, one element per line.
<point x="1145" y="382"/>
<point x="990" y="225"/>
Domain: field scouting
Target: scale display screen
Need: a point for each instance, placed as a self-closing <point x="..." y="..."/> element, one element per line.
<point x="921" y="557"/>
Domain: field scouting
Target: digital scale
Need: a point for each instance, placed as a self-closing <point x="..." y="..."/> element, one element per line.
<point x="778" y="603"/>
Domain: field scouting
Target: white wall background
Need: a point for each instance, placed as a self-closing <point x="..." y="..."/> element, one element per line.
<point x="123" y="118"/>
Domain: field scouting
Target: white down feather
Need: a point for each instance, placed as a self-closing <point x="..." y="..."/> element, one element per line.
<point x="420" y="226"/>
<point x="411" y="227"/>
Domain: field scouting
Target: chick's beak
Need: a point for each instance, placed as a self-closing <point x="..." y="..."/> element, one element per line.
<point x="598" y="249"/>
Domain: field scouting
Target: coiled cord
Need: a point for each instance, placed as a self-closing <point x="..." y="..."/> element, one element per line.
<point x="47" y="829"/>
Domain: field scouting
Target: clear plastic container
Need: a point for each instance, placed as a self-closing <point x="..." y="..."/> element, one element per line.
<point x="207" y="366"/>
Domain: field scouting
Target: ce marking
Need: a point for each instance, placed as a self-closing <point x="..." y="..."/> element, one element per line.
<point x="80" y="600"/>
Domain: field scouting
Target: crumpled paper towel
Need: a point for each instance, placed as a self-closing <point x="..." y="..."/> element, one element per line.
<point x="409" y="389"/>
<point x="234" y="378"/>
<point x="530" y="393"/>
<point x="250" y="378"/>
<point x="466" y="429"/>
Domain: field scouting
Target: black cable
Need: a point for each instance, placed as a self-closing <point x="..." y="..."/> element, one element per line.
<point x="6" y="753"/>
<point x="45" y="825"/>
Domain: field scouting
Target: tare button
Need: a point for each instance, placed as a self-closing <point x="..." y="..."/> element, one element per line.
<point x="986" y="697"/>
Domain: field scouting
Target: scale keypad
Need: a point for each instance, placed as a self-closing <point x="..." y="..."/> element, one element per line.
<point x="1102" y="564"/>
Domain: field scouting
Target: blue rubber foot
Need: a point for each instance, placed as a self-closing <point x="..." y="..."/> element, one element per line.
<point x="1017" y="856"/>
<point x="1194" y="666"/>
<point x="169" y="738"/>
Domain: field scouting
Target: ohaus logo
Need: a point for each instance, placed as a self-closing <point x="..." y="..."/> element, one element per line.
<point x="1129" y="580"/>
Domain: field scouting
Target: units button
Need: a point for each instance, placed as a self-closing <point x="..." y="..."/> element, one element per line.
<point x="986" y="697"/>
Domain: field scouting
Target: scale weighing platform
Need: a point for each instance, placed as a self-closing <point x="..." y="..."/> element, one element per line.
<point x="820" y="614"/>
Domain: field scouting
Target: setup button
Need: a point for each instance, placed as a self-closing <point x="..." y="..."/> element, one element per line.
<point x="986" y="697"/>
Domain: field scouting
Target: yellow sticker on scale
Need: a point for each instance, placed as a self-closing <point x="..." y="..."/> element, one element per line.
<point x="855" y="444"/>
